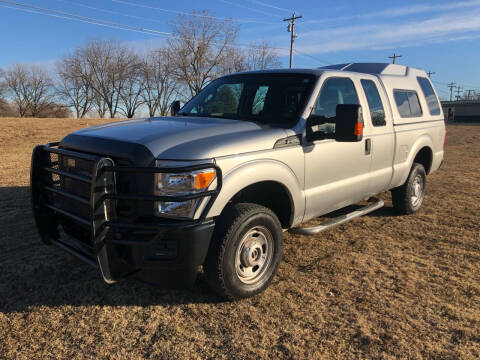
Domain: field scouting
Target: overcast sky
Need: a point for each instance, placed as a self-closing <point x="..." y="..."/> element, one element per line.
<point x="439" y="36"/>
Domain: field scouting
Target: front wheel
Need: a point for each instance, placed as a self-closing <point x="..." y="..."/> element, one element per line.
<point x="245" y="251"/>
<point x="408" y="198"/>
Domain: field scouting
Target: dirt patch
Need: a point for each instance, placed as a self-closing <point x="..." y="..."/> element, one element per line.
<point x="382" y="286"/>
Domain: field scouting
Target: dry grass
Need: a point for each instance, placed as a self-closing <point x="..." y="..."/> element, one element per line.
<point x="382" y="286"/>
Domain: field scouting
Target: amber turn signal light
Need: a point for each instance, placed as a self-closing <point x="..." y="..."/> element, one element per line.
<point x="203" y="179"/>
<point x="358" y="129"/>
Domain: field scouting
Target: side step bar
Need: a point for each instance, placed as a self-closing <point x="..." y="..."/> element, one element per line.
<point x="338" y="220"/>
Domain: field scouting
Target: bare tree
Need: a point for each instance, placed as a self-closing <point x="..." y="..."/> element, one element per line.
<point x="261" y="57"/>
<point x="74" y="85"/>
<point x="30" y="88"/>
<point x="5" y="108"/>
<point x="99" y="105"/>
<point x="109" y="65"/>
<point x="198" y="49"/>
<point x="158" y="80"/>
<point x="40" y="94"/>
<point x="132" y="89"/>
<point x="235" y="60"/>
<point x="2" y="83"/>
<point x="16" y="83"/>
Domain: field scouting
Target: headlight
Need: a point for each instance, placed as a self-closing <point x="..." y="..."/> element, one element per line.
<point x="178" y="184"/>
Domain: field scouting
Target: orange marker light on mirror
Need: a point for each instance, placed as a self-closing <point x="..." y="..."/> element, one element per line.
<point x="358" y="129"/>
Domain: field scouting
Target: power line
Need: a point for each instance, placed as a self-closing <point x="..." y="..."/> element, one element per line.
<point x="129" y="3"/>
<point x="70" y="16"/>
<point x="268" y="5"/>
<point x="248" y="8"/>
<point x="323" y="62"/>
<point x="94" y="21"/>
<point x="115" y="25"/>
<point x="472" y="86"/>
<point x="441" y="83"/>
<point x="111" y="11"/>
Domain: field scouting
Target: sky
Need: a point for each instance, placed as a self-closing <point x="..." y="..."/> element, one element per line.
<point x="439" y="36"/>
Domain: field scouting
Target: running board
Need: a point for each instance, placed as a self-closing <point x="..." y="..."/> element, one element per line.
<point x="338" y="220"/>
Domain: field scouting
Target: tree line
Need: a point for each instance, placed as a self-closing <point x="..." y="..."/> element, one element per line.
<point x="108" y="78"/>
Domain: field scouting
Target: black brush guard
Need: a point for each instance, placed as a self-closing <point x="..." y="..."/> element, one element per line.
<point x="49" y="194"/>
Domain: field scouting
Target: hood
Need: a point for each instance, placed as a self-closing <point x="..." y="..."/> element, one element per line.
<point x="186" y="138"/>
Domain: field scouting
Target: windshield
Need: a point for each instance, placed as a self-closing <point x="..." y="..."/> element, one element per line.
<point x="268" y="98"/>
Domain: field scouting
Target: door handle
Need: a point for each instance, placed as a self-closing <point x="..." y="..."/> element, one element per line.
<point x="368" y="146"/>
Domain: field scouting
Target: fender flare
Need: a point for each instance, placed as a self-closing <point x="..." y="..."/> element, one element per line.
<point x="256" y="171"/>
<point x="425" y="140"/>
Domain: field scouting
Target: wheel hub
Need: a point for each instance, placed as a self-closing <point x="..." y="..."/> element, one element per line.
<point x="254" y="254"/>
<point x="417" y="188"/>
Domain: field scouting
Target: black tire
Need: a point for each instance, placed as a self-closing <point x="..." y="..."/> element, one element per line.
<point x="405" y="199"/>
<point x="230" y="261"/>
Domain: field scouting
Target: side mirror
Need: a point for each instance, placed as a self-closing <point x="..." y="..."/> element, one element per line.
<point x="174" y="107"/>
<point x="349" y="123"/>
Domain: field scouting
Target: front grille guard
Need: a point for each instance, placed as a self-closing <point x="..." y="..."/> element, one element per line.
<point x="101" y="203"/>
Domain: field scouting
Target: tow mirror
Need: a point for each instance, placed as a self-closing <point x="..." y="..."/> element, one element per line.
<point x="174" y="107"/>
<point x="349" y="123"/>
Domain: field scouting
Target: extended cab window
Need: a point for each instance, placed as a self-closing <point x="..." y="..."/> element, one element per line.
<point x="375" y="105"/>
<point x="427" y="90"/>
<point x="259" y="100"/>
<point x="268" y="98"/>
<point x="335" y="91"/>
<point x="407" y="103"/>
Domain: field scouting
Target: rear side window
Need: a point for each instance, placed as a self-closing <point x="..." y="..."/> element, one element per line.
<point x="374" y="103"/>
<point x="427" y="90"/>
<point x="407" y="103"/>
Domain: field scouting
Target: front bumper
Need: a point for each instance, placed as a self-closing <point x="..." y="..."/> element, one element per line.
<point x="80" y="195"/>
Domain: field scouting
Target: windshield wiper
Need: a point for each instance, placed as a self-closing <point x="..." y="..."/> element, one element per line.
<point x="209" y="116"/>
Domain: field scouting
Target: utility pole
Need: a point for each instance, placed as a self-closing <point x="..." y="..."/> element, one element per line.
<point x="394" y="58"/>
<point x="459" y="89"/>
<point x="468" y="94"/>
<point x="293" y="35"/>
<point x="430" y="73"/>
<point x="452" y="85"/>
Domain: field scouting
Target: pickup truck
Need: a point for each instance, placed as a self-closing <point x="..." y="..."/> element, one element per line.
<point x="252" y="155"/>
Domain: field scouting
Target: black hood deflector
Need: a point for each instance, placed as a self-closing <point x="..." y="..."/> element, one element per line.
<point x="136" y="154"/>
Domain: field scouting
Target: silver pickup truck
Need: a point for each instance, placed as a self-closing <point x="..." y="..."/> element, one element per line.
<point x="253" y="155"/>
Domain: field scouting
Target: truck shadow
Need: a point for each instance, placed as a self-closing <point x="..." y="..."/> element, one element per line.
<point x="33" y="274"/>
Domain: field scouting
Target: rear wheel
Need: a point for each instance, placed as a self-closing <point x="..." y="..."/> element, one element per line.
<point x="245" y="251"/>
<point x="408" y="198"/>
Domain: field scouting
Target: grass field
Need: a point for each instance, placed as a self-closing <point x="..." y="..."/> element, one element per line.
<point x="382" y="286"/>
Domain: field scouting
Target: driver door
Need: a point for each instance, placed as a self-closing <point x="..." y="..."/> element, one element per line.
<point x="336" y="173"/>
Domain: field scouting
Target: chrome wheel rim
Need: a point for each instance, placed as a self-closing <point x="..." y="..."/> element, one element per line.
<point x="417" y="191"/>
<point x="254" y="255"/>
